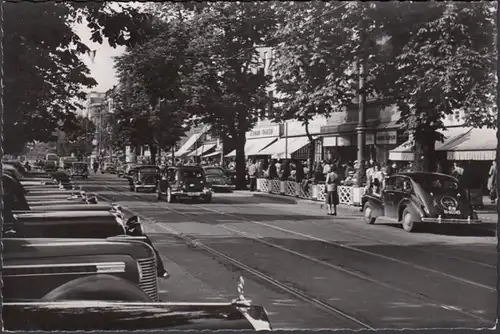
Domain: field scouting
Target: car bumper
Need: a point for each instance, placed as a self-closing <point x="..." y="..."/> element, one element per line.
<point x="190" y="193"/>
<point x="223" y="186"/>
<point x="451" y="221"/>
<point x="145" y="186"/>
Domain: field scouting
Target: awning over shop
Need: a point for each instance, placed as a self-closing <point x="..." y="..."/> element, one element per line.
<point x="254" y="146"/>
<point x="186" y="148"/>
<point x="216" y="153"/>
<point x="404" y="152"/>
<point x="475" y="144"/>
<point x="290" y="145"/>
<point x="201" y="150"/>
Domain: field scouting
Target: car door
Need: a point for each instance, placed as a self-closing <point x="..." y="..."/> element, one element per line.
<point x="402" y="190"/>
<point x="388" y="196"/>
<point x="171" y="179"/>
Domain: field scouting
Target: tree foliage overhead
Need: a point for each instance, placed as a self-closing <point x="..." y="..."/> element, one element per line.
<point x="44" y="76"/>
<point x="430" y="59"/>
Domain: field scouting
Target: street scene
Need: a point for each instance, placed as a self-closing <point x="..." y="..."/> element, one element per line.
<point x="249" y="166"/>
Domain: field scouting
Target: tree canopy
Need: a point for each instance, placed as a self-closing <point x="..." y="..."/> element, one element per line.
<point x="44" y="77"/>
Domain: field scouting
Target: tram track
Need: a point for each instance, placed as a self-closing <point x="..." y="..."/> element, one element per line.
<point x="297" y="293"/>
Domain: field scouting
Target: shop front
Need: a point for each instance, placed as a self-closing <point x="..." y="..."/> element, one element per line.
<point x="259" y="139"/>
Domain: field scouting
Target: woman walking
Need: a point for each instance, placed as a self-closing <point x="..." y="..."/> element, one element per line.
<point x="332" y="197"/>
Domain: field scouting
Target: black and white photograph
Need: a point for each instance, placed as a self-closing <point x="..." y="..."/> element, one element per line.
<point x="249" y="165"/>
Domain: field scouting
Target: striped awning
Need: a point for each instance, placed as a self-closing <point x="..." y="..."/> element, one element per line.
<point x="290" y="145"/>
<point x="216" y="153"/>
<point x="475" y="144"/>
<point x="254" y="146"/>
<point x="186" y="148"/>
<point x="201" y="150"/>
<point x="404" y="152"/>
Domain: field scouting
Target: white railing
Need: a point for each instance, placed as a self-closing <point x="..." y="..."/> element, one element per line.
<point x="347" y="194"/>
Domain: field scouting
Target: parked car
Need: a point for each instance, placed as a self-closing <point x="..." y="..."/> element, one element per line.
<point x="121" y="171"/>
<point x="418" y="197"/>
<point x="218" y="178"/>
<point x="50" y="269"/>
<point x="108" y="168"/>
<point x="79" y="169"/>
<point x="50" y="166"/>
<point x="144" y="177"/>
<point x="184" y="182"/>
<point x="75" y="315"/>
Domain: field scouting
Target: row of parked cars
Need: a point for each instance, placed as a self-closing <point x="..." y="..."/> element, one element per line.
<point x="177" y="183"/>
<point x="73" y="263"/>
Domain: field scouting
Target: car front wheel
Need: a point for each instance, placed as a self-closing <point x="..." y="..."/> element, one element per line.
<point x="368" y="212"/>
<point x="408" y="221"/>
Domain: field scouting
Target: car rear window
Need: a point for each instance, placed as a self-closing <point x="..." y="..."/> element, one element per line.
<point x="215" y="171"/>
<point x="191" y="174"/>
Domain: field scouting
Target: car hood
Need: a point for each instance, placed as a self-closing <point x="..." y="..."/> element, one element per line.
<point x="95" y="315"/>
<point x="79" y="206"/>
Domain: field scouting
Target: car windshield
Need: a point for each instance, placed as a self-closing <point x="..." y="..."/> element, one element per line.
<point x="80" y="166"/>
<point x="215" y="171"/>
<point x="191" y="174"/>
<point x="436" y="183"/>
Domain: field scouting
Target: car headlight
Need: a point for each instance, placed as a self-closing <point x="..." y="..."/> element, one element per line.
<point x="207" y="190"/>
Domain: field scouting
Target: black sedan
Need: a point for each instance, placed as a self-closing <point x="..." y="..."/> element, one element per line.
<point x="419" y="197"/>
<point x="218" y="178"/>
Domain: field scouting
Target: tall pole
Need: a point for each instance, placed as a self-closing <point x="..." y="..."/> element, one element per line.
<point x="221" y="152"/>
<point x="286" y="140"/>
<point x="361" y="128"/>
<point x="173" y="155"/>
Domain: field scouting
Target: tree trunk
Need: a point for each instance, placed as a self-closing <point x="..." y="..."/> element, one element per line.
<point x="240" y="162"/>
<point x="152" y="151"/>
<point x="424" y="153"/>
<point x="312" y="146"/>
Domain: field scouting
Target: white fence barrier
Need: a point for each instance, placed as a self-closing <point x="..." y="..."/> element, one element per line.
<point x="347" y="195"/>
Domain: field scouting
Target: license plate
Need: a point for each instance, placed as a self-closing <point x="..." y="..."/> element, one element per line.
<point x="193" y="194"/>
<point x="452" y="212"/>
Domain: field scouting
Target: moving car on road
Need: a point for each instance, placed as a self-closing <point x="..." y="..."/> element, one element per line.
<point x="218" y="178"/>
<point x="79" y="169"/>
<point x="144" y="177"/>
<point x="419" y="197"/>
<point x="184" y="182"/>
<point x="108" y="168"/>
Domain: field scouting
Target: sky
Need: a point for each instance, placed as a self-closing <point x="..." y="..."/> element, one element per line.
<point x="102" y="68"/>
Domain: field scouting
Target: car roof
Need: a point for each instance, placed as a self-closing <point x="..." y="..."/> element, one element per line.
<point x="187" y="167"/>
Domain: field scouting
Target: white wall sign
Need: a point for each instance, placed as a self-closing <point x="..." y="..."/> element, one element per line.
<point x="273" y="131"/>
<point x="329" y="141"/>
<point x="299" y="129"/>
<point x="387" y="137"/>
<point x="343" y="141"/>
<point x="370" y="139"/>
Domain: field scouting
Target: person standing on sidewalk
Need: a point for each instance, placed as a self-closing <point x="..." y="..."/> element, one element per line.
<point x="492" y="182"/>
<point x="332" y="197"/>
<point x="252" y="173"/>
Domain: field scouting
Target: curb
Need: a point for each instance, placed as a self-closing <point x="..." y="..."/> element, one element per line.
<point x="292" y="200"/>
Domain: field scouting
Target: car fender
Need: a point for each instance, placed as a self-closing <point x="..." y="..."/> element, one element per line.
<point x="98" y="287"/>
<point x="376" y="204"/>
<point x="417" y="212"/>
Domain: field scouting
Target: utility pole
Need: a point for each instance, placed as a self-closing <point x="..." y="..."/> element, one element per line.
<point x="361" y="128"/>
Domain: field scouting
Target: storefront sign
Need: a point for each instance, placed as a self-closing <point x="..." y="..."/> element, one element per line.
<point x="299" y="129"/>
<point x="273" y="131"/>
<point x="370" y="139"/>
<point x="387" y="137"/>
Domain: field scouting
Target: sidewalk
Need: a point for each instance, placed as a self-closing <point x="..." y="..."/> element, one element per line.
<point x="488" y="214"/>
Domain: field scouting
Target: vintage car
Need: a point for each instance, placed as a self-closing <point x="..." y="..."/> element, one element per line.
<point x="52" y="269"/>
<point x="184" y="182"/>
<point x="144" y="177"/>
<point x="79" y="169"/>
<point x="218" y="178"/>
<point x="121" y="170"/>
<point x="50" y="166"/>
<point x="108" y="168"/>
<point x="418" y="197"/>
<point x="96" y="315"/>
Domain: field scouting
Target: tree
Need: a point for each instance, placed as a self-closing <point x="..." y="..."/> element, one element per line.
<point x="444" y="60"/>
<point x="222" y="84"/>
<point x="44" y="76"/>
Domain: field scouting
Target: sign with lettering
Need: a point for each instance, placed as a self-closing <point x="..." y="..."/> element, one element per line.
<point x="273" y="131"/>
<point x="386" y="137"/>
<point x="370" y="139"/>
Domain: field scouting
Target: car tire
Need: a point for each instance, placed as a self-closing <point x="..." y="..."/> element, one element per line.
<point x="407" y="221"/>
<point x="170" y="197"/>
<point x="207" y="199"/>
<point x="367" y="214"/>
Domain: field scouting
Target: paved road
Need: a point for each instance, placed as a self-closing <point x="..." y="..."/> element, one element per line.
<point x="311" y="270"/>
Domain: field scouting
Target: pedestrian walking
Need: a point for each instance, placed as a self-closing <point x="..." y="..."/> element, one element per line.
<point x="96" y="166"/>
<point x="299" y="171"/>
<point x="332" y="197"/>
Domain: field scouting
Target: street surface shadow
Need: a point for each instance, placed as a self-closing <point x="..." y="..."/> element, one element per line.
<point x="483" y="230"/>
